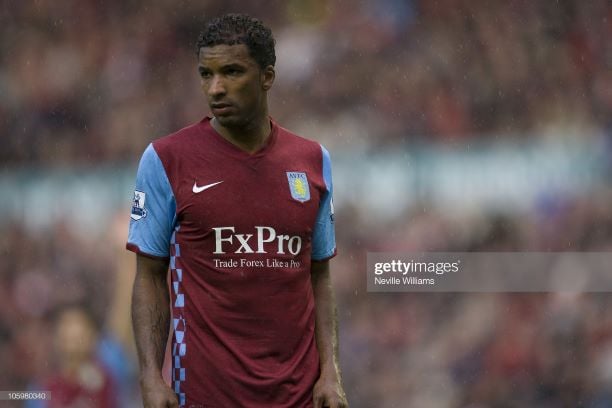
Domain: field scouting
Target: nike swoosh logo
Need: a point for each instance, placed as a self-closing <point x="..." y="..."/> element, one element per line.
<point x="197" y="189"/>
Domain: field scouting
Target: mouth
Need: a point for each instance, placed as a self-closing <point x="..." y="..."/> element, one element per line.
<point x="220" y="108"/>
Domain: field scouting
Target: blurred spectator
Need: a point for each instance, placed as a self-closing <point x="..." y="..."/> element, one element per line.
<point x="78" y="379"/>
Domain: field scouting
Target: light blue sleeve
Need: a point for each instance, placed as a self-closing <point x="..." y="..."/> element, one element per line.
<point x="153" y="208"/>
<point x="324" y="234"/>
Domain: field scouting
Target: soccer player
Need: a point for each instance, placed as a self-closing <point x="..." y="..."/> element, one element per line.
<point x="240" y="210"/>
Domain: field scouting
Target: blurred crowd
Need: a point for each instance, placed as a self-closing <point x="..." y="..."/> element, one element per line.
<point x="88" y="80"/>
<point x="477" y="350"/>
<point x="92" y="82"/>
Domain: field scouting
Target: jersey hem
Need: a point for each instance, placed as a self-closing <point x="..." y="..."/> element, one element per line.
<point x="136" y="249"/>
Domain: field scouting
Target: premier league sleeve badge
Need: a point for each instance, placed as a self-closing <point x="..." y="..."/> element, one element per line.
<point x="138" y="206"/>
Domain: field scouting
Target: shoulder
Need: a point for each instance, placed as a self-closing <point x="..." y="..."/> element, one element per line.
<point x="179" y="141"/>
<point x="301" y="145"/>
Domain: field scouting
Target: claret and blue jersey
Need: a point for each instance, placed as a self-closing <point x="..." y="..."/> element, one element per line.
<point x="240" y="231"/>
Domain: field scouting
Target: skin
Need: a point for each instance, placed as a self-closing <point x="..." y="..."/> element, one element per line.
<point x="236" y="88"/>
<point x="229" y="75"/>
<point x="151" y="322"/>
<point x="328" y="391"/>
<point x="75" y="341"/>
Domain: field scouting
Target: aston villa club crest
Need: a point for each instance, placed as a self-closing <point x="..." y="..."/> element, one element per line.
<point x="298" y="184"/>
<point x="138" y="208"/>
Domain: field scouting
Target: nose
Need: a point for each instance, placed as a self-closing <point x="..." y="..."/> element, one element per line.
<point x="216" y="87"/>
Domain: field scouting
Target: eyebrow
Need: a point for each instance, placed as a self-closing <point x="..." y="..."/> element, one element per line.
<point x="234" y="65"/>
<point x="226" y="66"/>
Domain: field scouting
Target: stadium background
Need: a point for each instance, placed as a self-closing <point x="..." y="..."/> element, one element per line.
<point x="454" y="125"/>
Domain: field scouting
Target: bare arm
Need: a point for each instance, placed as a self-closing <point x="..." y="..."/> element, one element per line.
<point x="328" y="391"/>
<point x="151" y="323"/>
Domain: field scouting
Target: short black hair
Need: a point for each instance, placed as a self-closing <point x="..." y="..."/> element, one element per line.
<point x="232" y="29"/>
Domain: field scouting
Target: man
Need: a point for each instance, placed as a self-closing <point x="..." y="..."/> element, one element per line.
<point x="241" y="211"/>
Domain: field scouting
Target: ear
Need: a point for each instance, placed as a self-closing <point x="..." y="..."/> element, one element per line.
<point x="267" y="77"/>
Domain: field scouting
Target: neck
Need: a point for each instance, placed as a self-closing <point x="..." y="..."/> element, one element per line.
<point x="250" y="137"/>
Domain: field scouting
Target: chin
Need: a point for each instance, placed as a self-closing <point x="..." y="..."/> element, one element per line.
<point x="229" y="121"/>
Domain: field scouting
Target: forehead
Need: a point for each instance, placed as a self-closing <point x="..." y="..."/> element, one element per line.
<point x="220" y="55"/>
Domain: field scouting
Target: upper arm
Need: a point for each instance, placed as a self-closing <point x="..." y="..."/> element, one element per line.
<point x="153" y="267"/>
<point x="153" y="214"/>
<point x="318" y="269"/>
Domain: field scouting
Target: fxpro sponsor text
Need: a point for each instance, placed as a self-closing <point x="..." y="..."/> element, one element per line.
<point x="400" y="267"/>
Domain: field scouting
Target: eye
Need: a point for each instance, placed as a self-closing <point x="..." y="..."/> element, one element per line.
<point x="233" y="71"/>
<point x="204" y="73"/>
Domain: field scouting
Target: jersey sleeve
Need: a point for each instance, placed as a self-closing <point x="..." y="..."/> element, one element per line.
<point x="324" y="235"/>
<point x="153" y="214"/>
